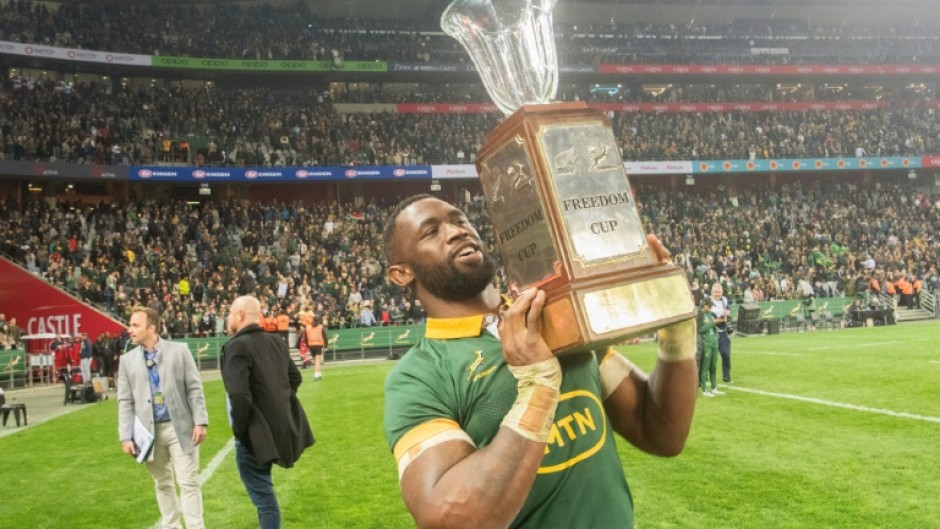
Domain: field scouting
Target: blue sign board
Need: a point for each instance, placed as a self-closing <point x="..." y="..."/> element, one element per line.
<point x="805" y="165"/>
<point x="278" y="174"/>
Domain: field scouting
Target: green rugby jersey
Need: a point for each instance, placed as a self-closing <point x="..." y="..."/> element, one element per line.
<point x="457" y="373"/>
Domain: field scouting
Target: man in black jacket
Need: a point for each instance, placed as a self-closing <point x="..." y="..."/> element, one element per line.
<point x="268" y="422"/>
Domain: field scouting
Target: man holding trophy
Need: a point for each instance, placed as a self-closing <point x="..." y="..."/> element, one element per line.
<point x="504" y="414"/>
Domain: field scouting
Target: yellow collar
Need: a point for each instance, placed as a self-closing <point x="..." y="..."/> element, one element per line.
<point x="454" y="328"/>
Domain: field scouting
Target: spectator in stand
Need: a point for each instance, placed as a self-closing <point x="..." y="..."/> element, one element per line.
<point x="14" y="334"/>
<point x="904" y="127"/>
<point x="294" y="33"/>
<point x="366" y="317"/>
<point x="762" y="236"/>
<point x="5" y="341"/>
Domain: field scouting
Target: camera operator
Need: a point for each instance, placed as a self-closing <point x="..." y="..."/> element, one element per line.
<point x="721" y="308"/>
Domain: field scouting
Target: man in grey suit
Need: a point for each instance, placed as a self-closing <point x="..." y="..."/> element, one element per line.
<point x="268" y="422"/>
<point x="158" y="383"/>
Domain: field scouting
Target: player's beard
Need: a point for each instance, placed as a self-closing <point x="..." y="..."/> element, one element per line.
<point x="445" y="281"/>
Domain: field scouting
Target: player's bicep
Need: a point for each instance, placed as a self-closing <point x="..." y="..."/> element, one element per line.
<point x="426" y="464"/>
<point x="624" y="389"/>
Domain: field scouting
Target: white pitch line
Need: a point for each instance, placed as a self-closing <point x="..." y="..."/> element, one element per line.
<point x="209" y="470"/>
<point x="866" y="344"/>
<point x="770" y="353"/>
<point x="873" y="344"/>
<point x="843" y="405"/>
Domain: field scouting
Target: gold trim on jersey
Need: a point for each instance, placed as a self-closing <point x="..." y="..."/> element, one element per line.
<point x="455" y="328"/>
<point x="421" y="433"/>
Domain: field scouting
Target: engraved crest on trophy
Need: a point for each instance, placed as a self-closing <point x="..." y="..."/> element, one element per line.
<point x="561" y="205"/>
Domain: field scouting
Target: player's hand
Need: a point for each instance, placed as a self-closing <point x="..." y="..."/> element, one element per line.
<point x="520" y="328"/>
<point x="199" y="434"/>
<point x="129" y="448"/>
<point x="660" y="251"/>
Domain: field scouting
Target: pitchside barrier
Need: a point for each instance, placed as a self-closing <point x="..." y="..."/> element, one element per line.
<point x="361" y="343"/>
<point x="358" y="343"/>
<point x="12" y="368"/>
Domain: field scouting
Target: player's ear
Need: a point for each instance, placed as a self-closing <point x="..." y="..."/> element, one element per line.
<point x="401" y="274"/>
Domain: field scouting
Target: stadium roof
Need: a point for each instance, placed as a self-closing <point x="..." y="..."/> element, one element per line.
<point x="817" y="12"/>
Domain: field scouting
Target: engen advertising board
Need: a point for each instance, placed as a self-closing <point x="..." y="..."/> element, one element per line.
<point x="277" y="174"/>
<point x="40" y="308"/>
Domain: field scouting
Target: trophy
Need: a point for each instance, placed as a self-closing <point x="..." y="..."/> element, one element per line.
<point x="561" y="205"/>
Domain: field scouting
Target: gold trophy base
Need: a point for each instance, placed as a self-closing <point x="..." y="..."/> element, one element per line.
<point x="595" y="314"/>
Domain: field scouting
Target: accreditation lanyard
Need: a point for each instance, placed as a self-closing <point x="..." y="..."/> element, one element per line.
<point x="160" y="411"/>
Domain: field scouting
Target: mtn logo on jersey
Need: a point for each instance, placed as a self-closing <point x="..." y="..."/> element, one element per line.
<point x="579" y="432"/>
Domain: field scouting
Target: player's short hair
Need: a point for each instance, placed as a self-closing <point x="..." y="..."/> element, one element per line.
<point x="390" y="246"/>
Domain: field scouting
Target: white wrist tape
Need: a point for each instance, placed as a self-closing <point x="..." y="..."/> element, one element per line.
<point x="677" y="341"/>
<point x="614" y="369"/>
<point x="533" y="413"/>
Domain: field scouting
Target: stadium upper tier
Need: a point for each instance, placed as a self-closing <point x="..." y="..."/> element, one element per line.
<point x="101" y="123"/>
<point x="231" y="31"/>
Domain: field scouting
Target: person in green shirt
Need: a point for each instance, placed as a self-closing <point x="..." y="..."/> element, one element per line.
<point x="708" y="366"/>
<point x="488" y="427"/>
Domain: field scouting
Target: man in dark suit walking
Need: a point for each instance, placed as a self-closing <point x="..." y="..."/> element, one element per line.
<point x="268" y="422"/>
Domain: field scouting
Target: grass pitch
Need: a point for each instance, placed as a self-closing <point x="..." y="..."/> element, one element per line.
<point x="819" y="430"/>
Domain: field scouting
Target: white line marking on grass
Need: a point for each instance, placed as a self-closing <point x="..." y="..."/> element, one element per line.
<point x="871" y="344"/>
<point x="770" y="353"/>
<point x="865" y="344"/>
<point x="855" y="407"/>
<point x="216" y="461"/>
<point x="209" y="471"/>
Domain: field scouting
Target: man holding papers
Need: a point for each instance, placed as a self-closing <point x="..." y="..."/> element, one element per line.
<point x="160" y="401"/>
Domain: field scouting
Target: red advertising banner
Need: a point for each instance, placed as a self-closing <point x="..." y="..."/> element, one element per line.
<point x="933" y="103"/>
<point x="445" y="108"/>
<point x="741" y="107"/>
<point x="930" y="161"/>
<point x="767" y="69"/>
<point x="476" y="108"/>
<point x="41" y="308"/>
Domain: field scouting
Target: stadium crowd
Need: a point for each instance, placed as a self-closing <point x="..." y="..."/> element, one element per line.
<point x="265" y="32"/>
<point x="94" y="123"/>
<point x="188" y="263"/>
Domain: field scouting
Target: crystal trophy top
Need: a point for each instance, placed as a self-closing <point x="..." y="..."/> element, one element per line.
<point x="512" y="45"/>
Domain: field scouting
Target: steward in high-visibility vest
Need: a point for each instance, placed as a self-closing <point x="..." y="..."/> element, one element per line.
<point x="315" y="335"/>
<point x="283" y="322"/>
<point x="907" y="292"/>
<point x="916" y="287"/>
